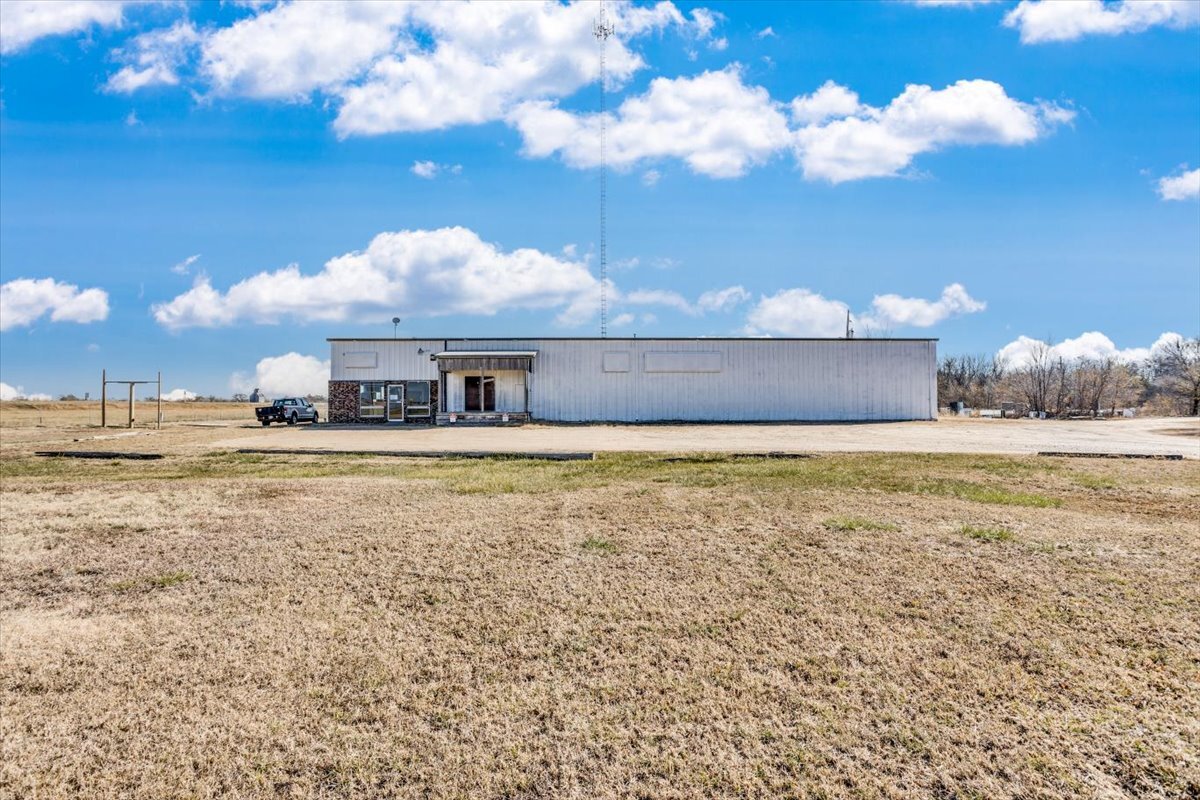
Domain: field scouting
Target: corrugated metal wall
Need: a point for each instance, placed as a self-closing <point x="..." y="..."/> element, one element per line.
<point x="397" y="359"/>
<point x="759" y="379"/>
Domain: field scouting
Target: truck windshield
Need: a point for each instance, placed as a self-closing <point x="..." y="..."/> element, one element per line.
<point x="277" y="403"/>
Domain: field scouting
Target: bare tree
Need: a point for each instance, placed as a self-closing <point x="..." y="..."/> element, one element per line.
<point x="1043" y="381"/>
<point x="1091" y="379"/>
<point x="972" y="380"/>
<point x="1176" y="367"/>
<point x="1126" y="389"/>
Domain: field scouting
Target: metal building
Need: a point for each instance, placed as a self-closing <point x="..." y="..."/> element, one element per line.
<point x="631" y="380"/>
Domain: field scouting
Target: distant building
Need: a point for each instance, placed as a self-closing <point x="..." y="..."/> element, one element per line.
<point x="631" y="380"/>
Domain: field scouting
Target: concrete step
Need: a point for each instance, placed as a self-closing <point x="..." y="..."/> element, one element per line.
<point x="478" y="419"/>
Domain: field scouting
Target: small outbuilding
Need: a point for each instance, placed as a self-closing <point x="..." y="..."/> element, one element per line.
<point x="448" y="381"/>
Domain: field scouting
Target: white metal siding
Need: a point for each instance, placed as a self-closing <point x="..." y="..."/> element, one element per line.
<point x="759" y="379"/>
<point x="399" y="360"/>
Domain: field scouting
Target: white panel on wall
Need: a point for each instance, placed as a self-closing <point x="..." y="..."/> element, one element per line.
<point x="616" y="362"/>
<point x="682" y="362"/>
<point x="363" y="359"/>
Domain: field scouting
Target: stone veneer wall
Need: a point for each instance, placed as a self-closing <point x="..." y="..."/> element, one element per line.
<point x="343" y="403"/>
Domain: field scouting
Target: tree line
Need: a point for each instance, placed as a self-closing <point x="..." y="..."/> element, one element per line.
<point x="1166" y="383"/>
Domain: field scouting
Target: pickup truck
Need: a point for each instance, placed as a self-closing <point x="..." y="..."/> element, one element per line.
<point x="289" y="409"/>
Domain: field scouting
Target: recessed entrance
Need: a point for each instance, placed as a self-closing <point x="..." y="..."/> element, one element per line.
<point x="395" y="402"/>
<point x="472" y="395"/>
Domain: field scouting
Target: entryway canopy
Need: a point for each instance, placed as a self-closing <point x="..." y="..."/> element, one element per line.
<point x="475" y="360"/>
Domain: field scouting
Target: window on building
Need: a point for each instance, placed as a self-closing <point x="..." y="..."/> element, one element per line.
<point x="371" y="400"/>
<point x="417" y="399"/>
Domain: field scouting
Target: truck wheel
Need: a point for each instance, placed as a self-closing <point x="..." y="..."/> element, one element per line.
<point x="266" y="423"/>
<point x="292" y="420"/>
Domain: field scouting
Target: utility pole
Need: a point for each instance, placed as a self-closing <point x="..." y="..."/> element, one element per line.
<point x="849" y="330"/>
<point x="602" y="29"/>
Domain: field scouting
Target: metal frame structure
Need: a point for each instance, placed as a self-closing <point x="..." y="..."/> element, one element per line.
<point x="104" y="382"/>
<point x="602" y="29"/>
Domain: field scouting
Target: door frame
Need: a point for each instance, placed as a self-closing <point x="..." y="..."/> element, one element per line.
<point x="485" y="381"/>
<point x="387" y="400"/>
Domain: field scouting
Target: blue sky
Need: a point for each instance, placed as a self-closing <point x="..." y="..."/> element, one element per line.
<point x="977" y="172"/>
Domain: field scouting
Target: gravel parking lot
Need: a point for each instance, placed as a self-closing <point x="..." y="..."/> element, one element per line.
<point x="1125" y="436"/>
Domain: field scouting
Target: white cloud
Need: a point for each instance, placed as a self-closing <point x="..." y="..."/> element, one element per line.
<point x="154" y="58"/>
<point x="827" y="102"/>
<point x="651" y="177"/>
<point x="22" y="22"/>
<point x="178" y="396"/>
<point x="797" y="312"/>
<point x="720" y="127"/>
<point x="403" y="67"/>
<point x="715" y="300"/>
<point x="766" y="33"/>
<point x="660" y="297"/>
<point x="1092" y="345"/>
<point x="621" y="320"/>
<point x="182" y="267"/>
<point x="23" y="301"/>
<point x="411" y="273"/>
<point x="424" y="169"/>
<point x="719" y="44"/>
<point x="288" y="51"/>
<point x="881" y="142"/>
<point x="713" y="122"/>
<point x="958" y="3"/>
<point x="132" y="119"/>
<point x="705" y="21"/>
<point x="18" y="393"/>
<point x="722" y="299"/>
<point x="430" y="169"/>
<point x="802" y="312"/>
<point x="1058" y="21"/>
<point x="488" y="57"/>
<point x="585" y="306"/>
<point x="892" y="309"/>
<point x="288" y="375"/>
<point x="1184" y="186"/>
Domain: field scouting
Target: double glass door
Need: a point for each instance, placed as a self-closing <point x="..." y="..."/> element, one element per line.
<point x="395" y="402"/>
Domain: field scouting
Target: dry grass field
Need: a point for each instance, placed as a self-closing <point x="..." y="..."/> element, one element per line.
<point x="850" y="625"/>
<point x="25" y="414"/>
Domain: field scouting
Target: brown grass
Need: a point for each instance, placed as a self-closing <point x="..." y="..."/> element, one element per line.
<point x="221" y="625"/>
<point x="86" y="413"/>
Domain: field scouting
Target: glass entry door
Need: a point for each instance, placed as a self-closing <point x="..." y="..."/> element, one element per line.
<point x="395" y="402"/>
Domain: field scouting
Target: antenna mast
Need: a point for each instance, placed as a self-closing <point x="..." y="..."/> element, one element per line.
<point x="602" y="29"/>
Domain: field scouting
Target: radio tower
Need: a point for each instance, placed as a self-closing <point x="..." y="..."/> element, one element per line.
<point x="602" y="29"/>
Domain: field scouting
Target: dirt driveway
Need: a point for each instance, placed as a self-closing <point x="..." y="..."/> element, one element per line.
<point x="1148" y="436"/>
